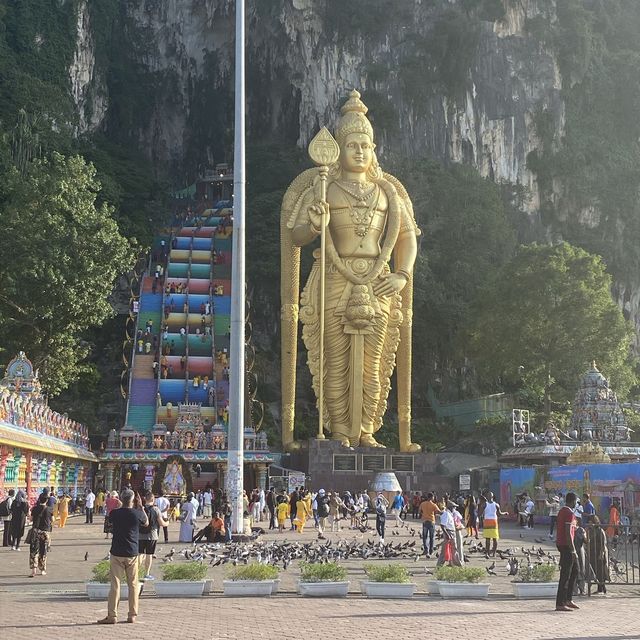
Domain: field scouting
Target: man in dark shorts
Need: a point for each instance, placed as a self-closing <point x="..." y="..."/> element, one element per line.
<point x="149" y="534"/>
<point x="124" y="554"/>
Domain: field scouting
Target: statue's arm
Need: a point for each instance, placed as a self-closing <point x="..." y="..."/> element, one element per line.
<point x="304" y="230"/>
<point x="405" y="253"/>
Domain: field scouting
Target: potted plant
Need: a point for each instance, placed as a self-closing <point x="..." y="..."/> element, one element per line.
<point x="324" y="580"/>
<point x="387" y="581"/>
<point x="98" y="588"/>
<point x="254" y="579"/>
<point x="181" y="580"/>
<point x="535" y="581"/>
<point x="461" y="582"/>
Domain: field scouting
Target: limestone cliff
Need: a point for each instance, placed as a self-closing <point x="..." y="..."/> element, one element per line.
<point x="302" y="61"/>
<point x="461" y="81"/>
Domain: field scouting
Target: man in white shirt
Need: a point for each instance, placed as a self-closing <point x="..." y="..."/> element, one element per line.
<point x="206" y="499"/>
<point x="196" y="504"/>
<point x="447" y="524"/>
<point x="163" y="505"/>
<point x="529" y="507"/>
<point x="89" y="501"/>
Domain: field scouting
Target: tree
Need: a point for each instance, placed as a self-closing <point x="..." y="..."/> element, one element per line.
<point x="467" y="237"/>
<point x="544" y="318"/>
<point x="61" y="256"/>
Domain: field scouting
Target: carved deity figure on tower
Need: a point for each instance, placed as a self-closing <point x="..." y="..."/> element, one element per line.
<point x="371" y="246"/>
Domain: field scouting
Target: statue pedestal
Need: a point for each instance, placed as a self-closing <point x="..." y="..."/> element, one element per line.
<point x="332" y="467"/>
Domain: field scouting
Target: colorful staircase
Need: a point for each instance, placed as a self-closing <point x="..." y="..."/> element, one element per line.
<point x="189" y="313"/>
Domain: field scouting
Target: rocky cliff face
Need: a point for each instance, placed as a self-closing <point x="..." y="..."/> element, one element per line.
<point x="438" y="81"/>
<point x="302" y="61"/>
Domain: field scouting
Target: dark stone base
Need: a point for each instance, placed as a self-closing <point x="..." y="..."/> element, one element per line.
<point x="333" y="467"/>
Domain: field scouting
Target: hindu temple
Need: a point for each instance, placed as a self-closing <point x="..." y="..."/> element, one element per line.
<point x="39" y="447"/>
<point x="597" y="431"/>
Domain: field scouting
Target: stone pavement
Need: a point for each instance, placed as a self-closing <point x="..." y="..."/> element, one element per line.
<point x="54" y="606"/>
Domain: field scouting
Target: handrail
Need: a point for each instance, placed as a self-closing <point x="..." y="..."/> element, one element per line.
<point x="135" y="346"/>
<point x="213" y="329"/>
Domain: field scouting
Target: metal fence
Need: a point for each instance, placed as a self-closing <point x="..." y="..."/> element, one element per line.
<point x="609" y="554"/>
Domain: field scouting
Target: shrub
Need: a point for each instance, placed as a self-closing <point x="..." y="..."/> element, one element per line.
<point x="330" y="572"/>
<point x="189" y="571"/>
<point x="101" y="572"/>
<point x="387" y="573"/>
<point x="536" y="573"/>
<point x="459" y="574"/>
<point x="254" y="571"/>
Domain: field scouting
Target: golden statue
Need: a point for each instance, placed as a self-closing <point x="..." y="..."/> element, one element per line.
<point x="359" y="304"/>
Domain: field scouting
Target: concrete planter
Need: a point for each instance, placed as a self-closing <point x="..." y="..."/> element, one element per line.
<point x="323" y="589"/>
<point x="208" y="587"/>
<point x="463" y="590"/>
<point x="526" y="590"/>
<point x="276" y="586"/>
<point x="433" y="587"/>
<point x="179" y="588"/>
<point x="387" y="589"/>
<point x="248" y="587"/>
<point x="100" y="590"/>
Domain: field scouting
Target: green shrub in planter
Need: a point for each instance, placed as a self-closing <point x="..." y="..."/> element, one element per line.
<point x="459" y="574"/>
<point x="387" y="573"/>
<point x="187" y="571"/>
<point x="536" y="573"/>
<point x="101" y="572"/>
<point x="254" y="571"/>
<point x="330" y="572"/>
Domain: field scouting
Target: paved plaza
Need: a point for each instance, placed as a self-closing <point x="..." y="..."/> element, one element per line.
<point x="54" y="606"/>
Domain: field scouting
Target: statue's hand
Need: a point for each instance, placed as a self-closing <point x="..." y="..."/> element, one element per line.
<point x="319" y="215"/>
<point x="389" y="283"/>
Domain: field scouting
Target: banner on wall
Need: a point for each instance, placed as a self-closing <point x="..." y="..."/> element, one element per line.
<point x="296" y="480"/>
<point x="602" y="482"/>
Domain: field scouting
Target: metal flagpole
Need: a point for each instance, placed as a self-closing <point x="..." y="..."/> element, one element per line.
<point x="235" y="467"/>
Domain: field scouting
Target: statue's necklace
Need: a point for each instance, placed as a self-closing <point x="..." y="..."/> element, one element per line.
<point x="362" y="217"/>
<point x="361" y="192"/>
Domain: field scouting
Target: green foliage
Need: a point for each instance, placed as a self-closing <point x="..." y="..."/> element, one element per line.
<point x="459" y="574"/>
<point x="254" y="571"/>
<point x="536" y="573"/>
<point x="546" y="315"/>
<point x="597" y="161"/>
<point x="186" y="571"/>
<point x="467" y="237"/>
<point x="387" y="573"/>
<point x="61" y="256"/>
<point x="329" y="572"/>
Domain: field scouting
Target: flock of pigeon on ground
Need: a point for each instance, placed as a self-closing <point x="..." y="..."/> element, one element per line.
<point x="283" y="553"/>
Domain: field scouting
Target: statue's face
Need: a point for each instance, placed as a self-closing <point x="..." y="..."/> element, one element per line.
<point x="357" y="152"/>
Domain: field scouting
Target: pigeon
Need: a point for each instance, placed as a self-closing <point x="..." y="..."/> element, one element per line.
<point x="86" y="556"/>
<point x="490" y="571"/>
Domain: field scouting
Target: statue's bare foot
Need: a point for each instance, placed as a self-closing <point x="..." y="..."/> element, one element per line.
<point x="369" y="441"/>
<point x="341" y="438"/>
<point x="294" y="445"/>
<point x="411" y="447"/>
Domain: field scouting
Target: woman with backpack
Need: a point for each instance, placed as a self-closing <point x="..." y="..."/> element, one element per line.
<point x="42" y="520"/>
<point x="148" y="534"/>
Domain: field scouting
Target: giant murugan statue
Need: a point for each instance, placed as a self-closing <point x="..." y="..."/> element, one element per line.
<point x="371" y="248"/>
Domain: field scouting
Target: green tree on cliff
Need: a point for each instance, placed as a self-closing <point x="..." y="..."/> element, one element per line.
<point x="541" y="321"/>
<point x="61" y="254"/>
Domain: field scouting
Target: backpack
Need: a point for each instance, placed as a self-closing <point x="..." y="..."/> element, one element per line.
<point x="153" y="525"/>
<point x="4" y="508"/>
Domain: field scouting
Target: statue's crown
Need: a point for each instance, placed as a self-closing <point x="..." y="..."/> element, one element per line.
<point x="353" y="119"/>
